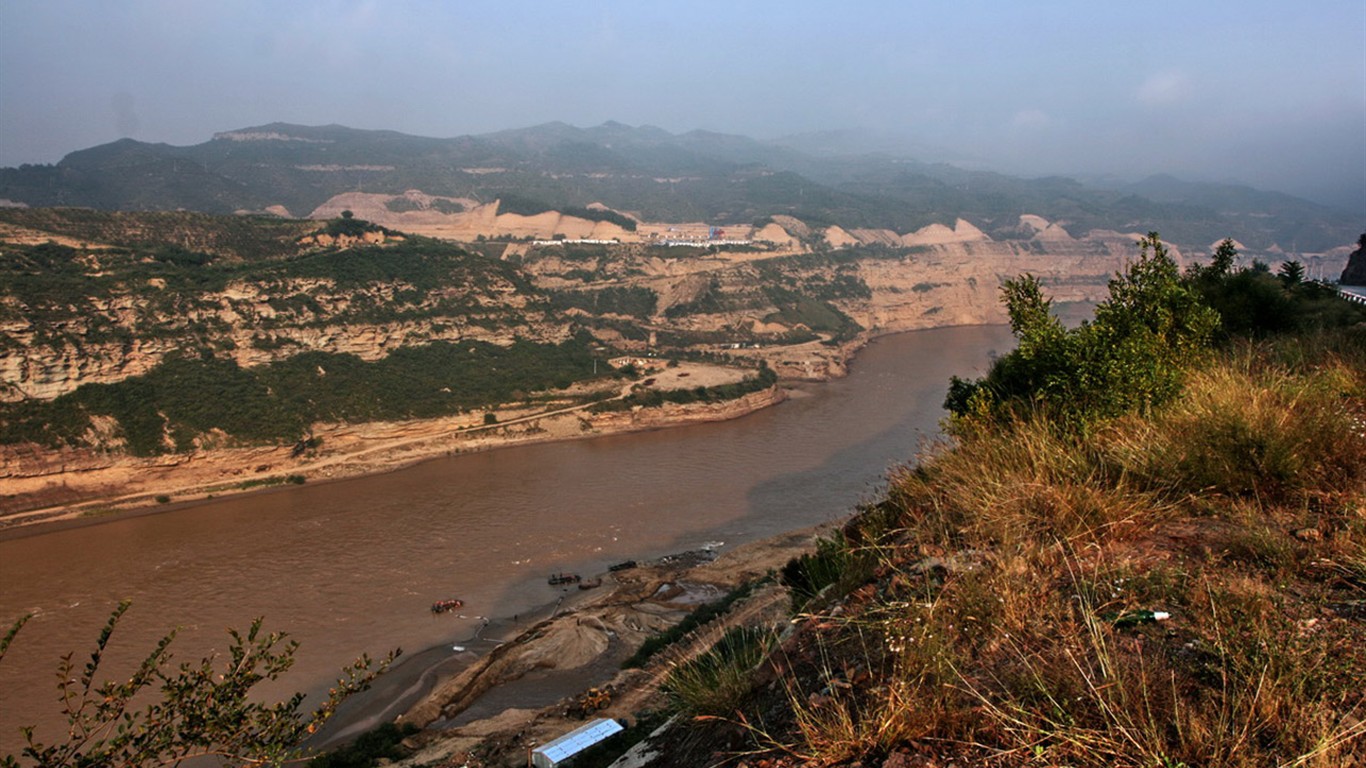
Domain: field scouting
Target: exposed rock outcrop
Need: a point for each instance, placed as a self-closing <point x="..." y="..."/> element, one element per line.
<point x="1355" y="272"/>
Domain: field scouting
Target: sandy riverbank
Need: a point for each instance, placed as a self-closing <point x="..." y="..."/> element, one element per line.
<point x="516" y="682"/>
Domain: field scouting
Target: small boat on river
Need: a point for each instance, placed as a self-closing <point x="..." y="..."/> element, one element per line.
<point x="441" y="606"/>
<point x="590" y="584"/>
<point x="558" y="579"/>
<point x="623" y="566"/>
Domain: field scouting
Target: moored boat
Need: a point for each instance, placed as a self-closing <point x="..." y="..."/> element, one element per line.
<point x="441" y="606"/>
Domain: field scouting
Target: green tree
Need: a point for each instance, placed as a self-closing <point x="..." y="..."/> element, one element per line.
<point x="1224" y="256"/>
<point x="1292" y="273"/>
<point x="203" y="709"/>
<point x="1129" y="357"/>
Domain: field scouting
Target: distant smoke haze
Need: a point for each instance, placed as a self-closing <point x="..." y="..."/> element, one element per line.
<point x="125" y="117"/>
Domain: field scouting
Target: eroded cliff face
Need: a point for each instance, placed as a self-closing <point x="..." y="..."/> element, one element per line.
<point x="936" y="276"/>
<point x="1355" y="271"/>
<point x="959" y="283"/>
<point x="254" y="323"/>
<point x="801" y="307"/>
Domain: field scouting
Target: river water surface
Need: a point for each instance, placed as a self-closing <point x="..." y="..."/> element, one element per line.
<point x="352" y="566"/>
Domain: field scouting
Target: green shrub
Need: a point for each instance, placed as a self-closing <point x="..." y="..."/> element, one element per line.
<point x="402" y="204"/>
<point x="1131" y="357"/>
<point x="597" y="214"/>
<point x="383" y="743"/>
<point x="833" y="561"/>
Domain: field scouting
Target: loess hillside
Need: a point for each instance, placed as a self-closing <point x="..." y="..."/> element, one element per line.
<point x="92" y="298"/>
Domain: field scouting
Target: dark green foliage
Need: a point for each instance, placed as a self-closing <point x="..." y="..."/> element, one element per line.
<point x="197" y="396"/>
<point x="1292" y="273"/>
<point x="835" y="561"/>
<point x="1253" y="303"/>
<point x="716" y="682"/>
<point x="795" y="308"/>
<point x="166" y="714"/>
<point x="522" y="206"/>
<point x="599" y="214"/>
<point x="426" y="381"/>
<point x="718" y="394"/>
<point x="350" y="226"/>
<point x="844" y="285"/>
<point x="184" y="398"/>
<point x="1131" y="356"/>
<point x="447" y="206"/>
<point x="174" y="254"/>
<point x="165" y="410"/>
<point x="1249" y="303"/>
<point x="402" y="204"/>
<point x="231" y="238"/>
<point x="633" y="301"/>
<point x="709" y="301"/>
<point x="384" y="742"/>
<point x="70" y="297"/>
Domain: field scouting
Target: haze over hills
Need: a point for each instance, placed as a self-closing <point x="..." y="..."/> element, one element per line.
<point x="654" y="175"/>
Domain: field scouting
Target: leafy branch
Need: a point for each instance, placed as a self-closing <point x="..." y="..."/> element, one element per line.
<point x="202" y="710"/>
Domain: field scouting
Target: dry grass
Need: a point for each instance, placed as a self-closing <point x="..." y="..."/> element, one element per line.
<point x="1251" y="428"/>
<point x="990" y="629"/>
<point x="715" y="683"/>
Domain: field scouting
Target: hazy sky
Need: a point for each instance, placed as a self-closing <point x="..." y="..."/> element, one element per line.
<point x="1270" y="93"/>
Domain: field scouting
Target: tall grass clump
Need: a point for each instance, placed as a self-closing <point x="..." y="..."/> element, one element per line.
<point x="1002" y="485"/>
<point x="838" y="561"/>
<point x="839" y="714"/>
<point x="717" y="682"/>
<point x="1250" y="427"/>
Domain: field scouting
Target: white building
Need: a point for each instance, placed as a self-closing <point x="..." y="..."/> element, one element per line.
<point x="556" y="752"/>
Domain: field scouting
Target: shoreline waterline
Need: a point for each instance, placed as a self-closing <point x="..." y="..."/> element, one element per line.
<point x="354" y="566"/>
<point x="97" y="511"/>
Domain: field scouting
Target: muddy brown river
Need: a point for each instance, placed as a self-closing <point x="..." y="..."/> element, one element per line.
<point x="353" y="566"/>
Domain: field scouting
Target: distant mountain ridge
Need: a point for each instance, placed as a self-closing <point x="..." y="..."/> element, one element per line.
<point x="654" y="175"/>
